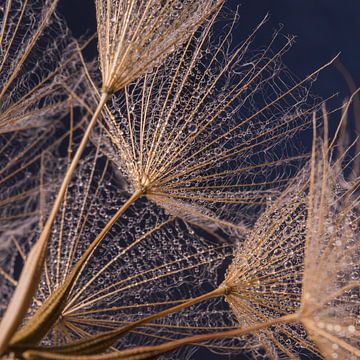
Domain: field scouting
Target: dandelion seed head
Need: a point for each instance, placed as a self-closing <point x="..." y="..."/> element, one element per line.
<point x="331" y="312"/>
<point x="116" y="285"/>
<point x="203" y="131"/>
<point x="135" y="36"/>
<point x="291" y="263"/>
<point x="265" y="276"/>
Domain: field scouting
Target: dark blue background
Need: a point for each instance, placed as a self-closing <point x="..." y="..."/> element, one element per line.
<point x="322" y="27"/>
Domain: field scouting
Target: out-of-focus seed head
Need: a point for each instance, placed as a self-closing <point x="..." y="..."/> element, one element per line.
<point x="330" y="308"/>
<point x="37" y="64"/>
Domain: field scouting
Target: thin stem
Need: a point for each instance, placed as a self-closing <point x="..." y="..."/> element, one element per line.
<point x="147" y="352"/>
<point x="30" y="275"/>
<point x="98" y="343"/>
<point x="82" y="261"/>
<point x="220" y="291"/>
<point x="45" y="317"/>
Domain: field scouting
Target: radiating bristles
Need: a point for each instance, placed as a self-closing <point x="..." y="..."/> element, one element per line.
<point x="331" y="287"/>
<point x="265" y="276"/>
<point x="264" y="279"/>
<point x="181" y="226"/>
<point x="205" y="134"/>
<point x="39" y="67"/>
<point x="136" y="35"/>
<point x="30" y="171"/>
<point x="303" y="258"/>
<point x="116" y="286"/>
<point x="22" y="162"/>
<point x="37" y="57"/>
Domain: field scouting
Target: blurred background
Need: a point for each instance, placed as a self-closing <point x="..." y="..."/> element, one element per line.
<point x="323" y="28"/>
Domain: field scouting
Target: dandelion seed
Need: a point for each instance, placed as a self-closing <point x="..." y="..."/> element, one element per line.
<point x="265" y="276"/>
<point x="276" y="302"/>
<point x="31" y="271"/>
<point x="135" y="36"/>
<point x="191" y="137"/>
<point x="318" y="216"/>
<point x="316" y="292"/>
<point x="319" y="209"/>
<point x="112" y="284"/>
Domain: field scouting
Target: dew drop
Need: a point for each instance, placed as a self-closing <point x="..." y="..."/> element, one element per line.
<point x="192" y="129"/>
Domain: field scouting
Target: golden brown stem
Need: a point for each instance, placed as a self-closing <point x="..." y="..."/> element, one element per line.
<point x="30" y="275"/>
<point x="147" y="352"/>
<point x="98" y="343"/>
<point x="41" y="322"/>
<point x="220" y="291"/>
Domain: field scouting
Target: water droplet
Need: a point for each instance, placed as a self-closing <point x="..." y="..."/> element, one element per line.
<point x="192" y="129"/>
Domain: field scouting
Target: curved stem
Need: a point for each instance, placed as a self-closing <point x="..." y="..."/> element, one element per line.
<point x="30" y="275"/>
